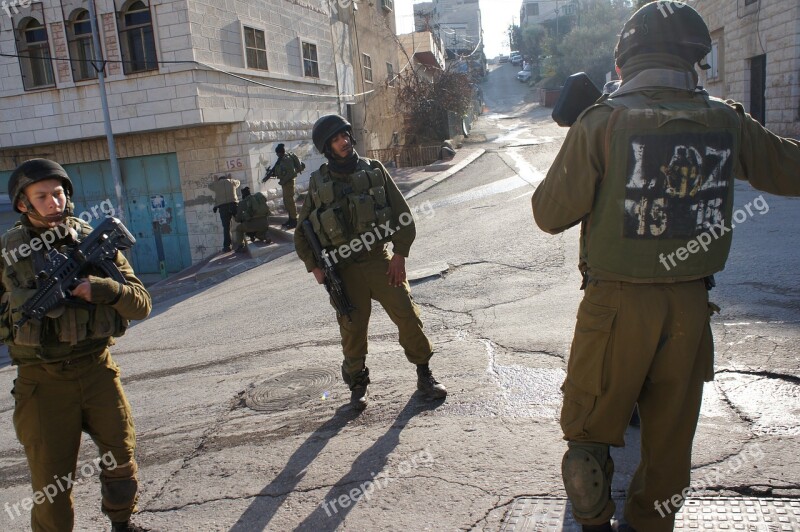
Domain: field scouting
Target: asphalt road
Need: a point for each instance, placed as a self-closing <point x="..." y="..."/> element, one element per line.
<point x="241" y="414"/>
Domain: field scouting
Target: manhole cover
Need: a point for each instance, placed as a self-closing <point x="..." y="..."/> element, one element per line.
<point x="290" y="389"/>
<point x="548" y="514"/>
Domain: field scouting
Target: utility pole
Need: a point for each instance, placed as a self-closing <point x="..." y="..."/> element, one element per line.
<point x="99" y="66"/>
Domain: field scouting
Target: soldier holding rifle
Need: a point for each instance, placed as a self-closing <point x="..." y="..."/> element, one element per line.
<point x="355" y="209"/>
<point x="66" y="381"/>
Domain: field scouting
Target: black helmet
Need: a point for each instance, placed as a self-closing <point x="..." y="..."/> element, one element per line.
<point x="326" y="127"/>
<point x="32" y="171"/>
<point x="664" y="26"/>
<point x="280" y="148"/>
<point x="245" y="192"/>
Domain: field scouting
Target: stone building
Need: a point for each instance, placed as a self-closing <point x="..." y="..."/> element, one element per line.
<point x="755" y="58"/>
<point x="366" y="49"/>
<point x="196" y="89"/>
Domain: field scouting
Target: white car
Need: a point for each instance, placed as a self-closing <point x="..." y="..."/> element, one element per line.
<point x="516" y="59"/>
<point x="524" y="75"/>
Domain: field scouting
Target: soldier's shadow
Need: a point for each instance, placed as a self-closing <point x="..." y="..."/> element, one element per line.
<point x="266" y="504"/>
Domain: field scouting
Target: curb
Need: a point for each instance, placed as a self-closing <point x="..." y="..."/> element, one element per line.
<point x="419" y="189"/>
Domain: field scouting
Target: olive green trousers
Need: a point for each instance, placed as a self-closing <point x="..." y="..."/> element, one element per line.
<point x="645" y="343"/>
<point x="288" y="199"/>
<point x="259" y="226"/>
<point x="54" y="404"/>
<point x="365" y="279"/>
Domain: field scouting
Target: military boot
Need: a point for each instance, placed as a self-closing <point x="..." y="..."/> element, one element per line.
<point x="429" y="386"/>
<point x="358" y="384"/>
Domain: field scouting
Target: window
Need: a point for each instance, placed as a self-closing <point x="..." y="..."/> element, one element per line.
<point x="713" y="61"/>
<point x="310" y="61"/>
<point x="366" y="62"/>
<point x="748" y="2"/>
<point x="255" y="48"/>
<point x="388" y="5"/>
<point x="37" y="68"/>
<point x="390" y="74"/>
<point x="533" y="9"/>
<point x="81" y="50"/>
<point x="136" y="38"/>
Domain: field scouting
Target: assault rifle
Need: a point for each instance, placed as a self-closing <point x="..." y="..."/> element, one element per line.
<point x="333" y="283"/>
<point x="270" y="173"/>
<point x="62" y="273"/>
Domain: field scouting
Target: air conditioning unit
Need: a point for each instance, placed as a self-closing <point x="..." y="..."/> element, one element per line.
<point x="388" y="5"/>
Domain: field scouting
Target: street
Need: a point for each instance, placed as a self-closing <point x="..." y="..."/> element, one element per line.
<point x="242" y="418"/>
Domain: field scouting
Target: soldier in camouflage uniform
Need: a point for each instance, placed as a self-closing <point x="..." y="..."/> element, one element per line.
<point x="350" y="203"/>
<point x="286" y="168"/>
<point x="253" y="217"/>
<point x="67" y="382"/>
<point x="648" y="173"/>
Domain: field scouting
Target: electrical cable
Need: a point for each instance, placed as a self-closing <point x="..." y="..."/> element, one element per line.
<point x="192" y="62"/>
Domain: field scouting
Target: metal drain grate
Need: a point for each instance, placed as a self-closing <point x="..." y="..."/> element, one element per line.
<point x="549" y="514"/>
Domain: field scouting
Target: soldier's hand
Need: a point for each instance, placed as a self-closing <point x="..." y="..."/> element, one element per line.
<point x="215" y="210"/>
<point x="319" y="275"/>
<point x="397" y="270"/>
<point x="83" y="290"/>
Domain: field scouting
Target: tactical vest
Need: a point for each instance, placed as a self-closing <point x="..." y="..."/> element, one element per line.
<point x="253" y="206"/>
<point x="350" y="206"/>
<point x="71" y="331"/>
<point x="287" y="167"/>
<point x="663" y="208"/>
<point x="258" y="205"/>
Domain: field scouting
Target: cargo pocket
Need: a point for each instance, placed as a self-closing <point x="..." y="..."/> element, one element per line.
<point x="30" y="334"/>
<point x="26" y="412"/>
<point x="333" y="227"/>
<point x="589" y="346"/>
<point x="362" y="212"/>
<point x="71" y="327"/>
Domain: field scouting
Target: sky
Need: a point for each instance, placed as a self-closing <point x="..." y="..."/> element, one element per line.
<point x="496" y="16"/>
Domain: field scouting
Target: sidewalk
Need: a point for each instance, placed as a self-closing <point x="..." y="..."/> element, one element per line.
<point x="211" y="271"/>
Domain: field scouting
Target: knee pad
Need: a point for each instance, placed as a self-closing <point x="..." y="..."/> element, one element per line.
<point x="119" y="486"/>
<point x="587" y="470"/>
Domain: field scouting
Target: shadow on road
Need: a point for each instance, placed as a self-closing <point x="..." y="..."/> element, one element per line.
<point x="367" y="466"/>
<point x="266" y="504"/>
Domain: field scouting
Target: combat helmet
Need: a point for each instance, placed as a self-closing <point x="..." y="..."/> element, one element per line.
<point x="32" y="171"/>
<point x="665" y="27"/>
<point x="326" y="127"/>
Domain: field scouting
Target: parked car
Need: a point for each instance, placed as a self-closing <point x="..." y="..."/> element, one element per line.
<point x="502" y="59"/>
<point x="516" y="59"/>
<point x="524" y="75"/>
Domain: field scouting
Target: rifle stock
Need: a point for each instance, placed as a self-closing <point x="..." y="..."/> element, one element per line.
<point x="62" y="272"/>
<point x="333" y="283"/>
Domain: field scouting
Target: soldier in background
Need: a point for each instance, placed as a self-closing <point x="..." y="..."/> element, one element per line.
<point x="253" y="217"/>
<point x="67" y="382"/>
<point x="286" y="169"/>
<point x="225" y="201"/>
<point x="646" y="173"/>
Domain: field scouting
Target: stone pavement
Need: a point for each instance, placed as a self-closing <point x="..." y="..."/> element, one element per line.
<point x="211" y="271"/>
